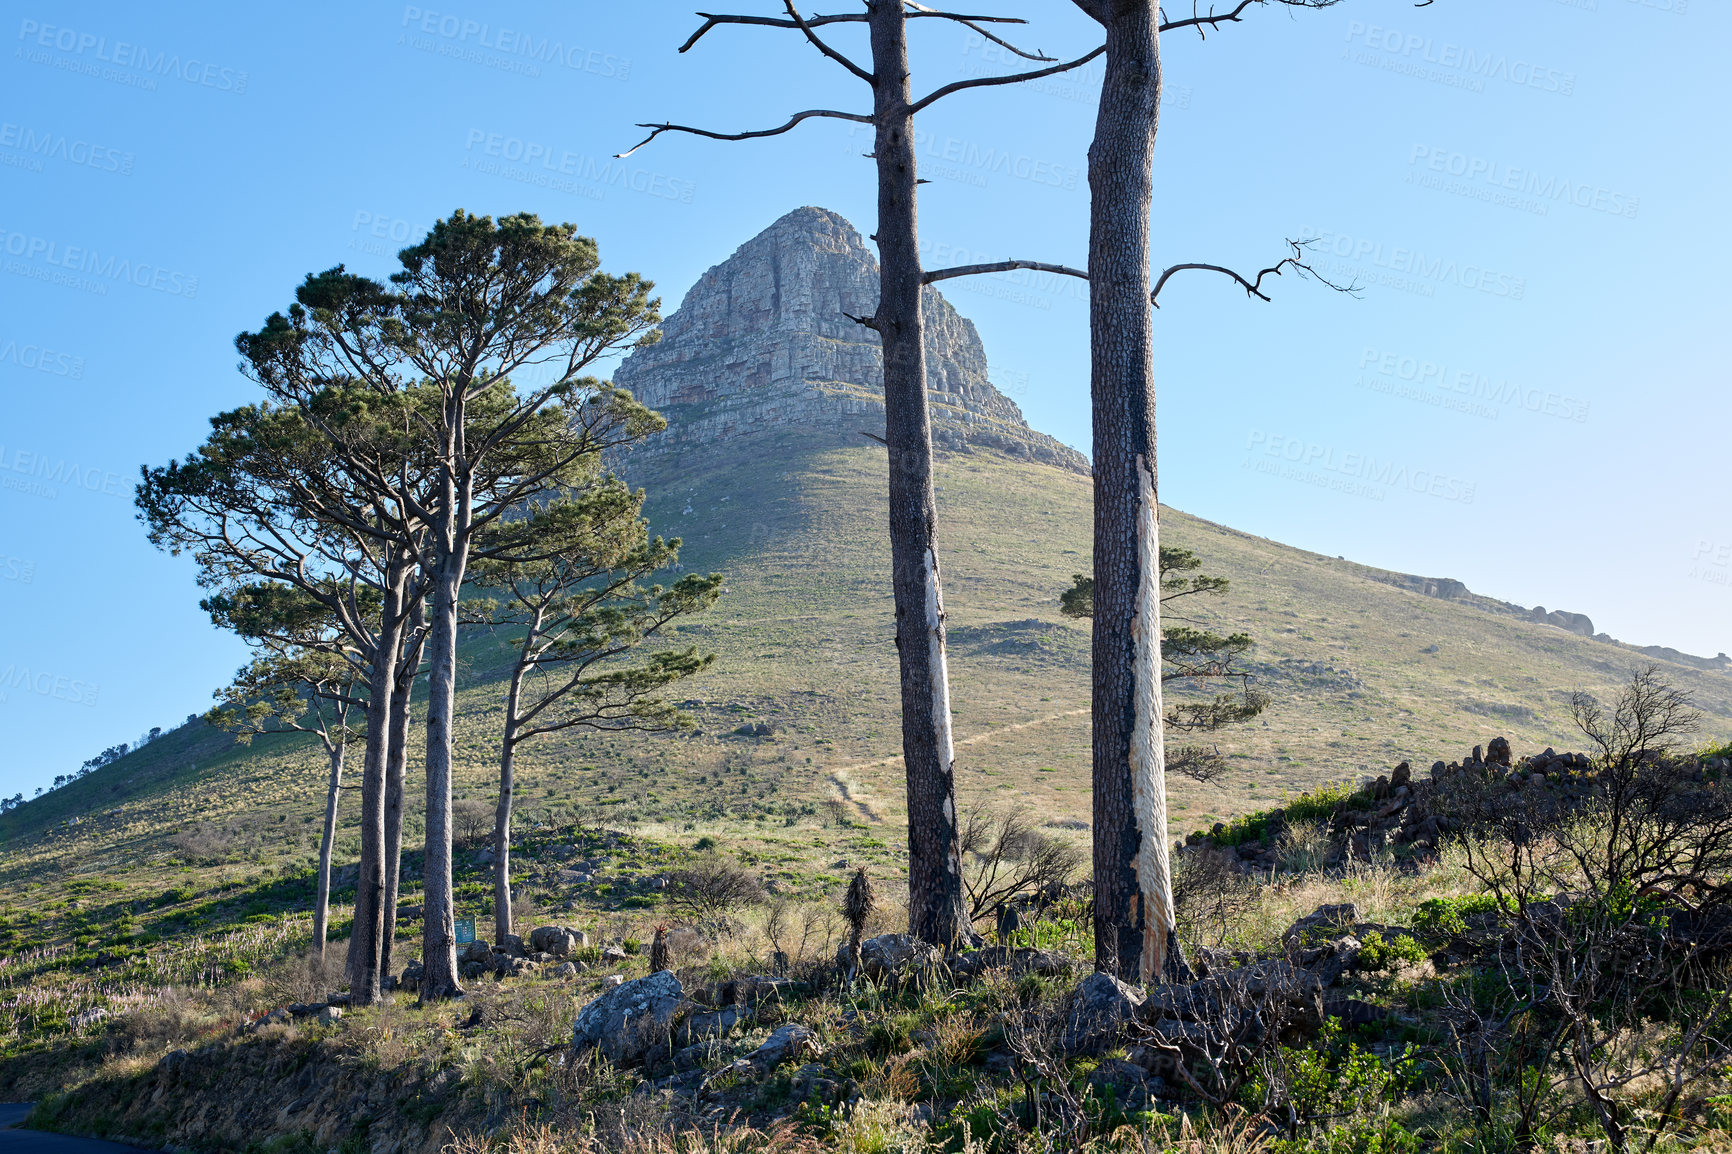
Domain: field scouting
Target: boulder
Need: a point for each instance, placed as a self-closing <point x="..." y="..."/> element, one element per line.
<point x="412" y="974"/>
<point x="1402" y="775"/>
<point x="785" y="1042"/>
<point x="708" y="1026"/>
<point x="1320" y="920"/>
<point x="557" y="940"/>
<point x="1098" y="1006"/>
<point x="614" y="956"/>
<point x="698" y="1054"/>
<point x="1125" y="1082"/>
<point x="512" y="947"/>
<point x="565" y="971"/>
<point x="476" y="951"/>
<point x="1498" y="752"/>
<point x="971" y="964"/>
<point x="632" y="1020"/>
<point x="330" y="1014"/>
<point x="898" y="956"/>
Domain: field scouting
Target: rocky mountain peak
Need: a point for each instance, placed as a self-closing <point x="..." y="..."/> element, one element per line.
<point x="765" y="340"/>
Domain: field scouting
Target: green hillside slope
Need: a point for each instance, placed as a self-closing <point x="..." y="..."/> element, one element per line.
<point x="1362" y="674"/>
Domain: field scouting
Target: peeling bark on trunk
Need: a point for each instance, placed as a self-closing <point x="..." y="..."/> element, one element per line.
<point x="936" y="911"/>
<point x="322" y="904"/>
<point x="1134" y="923"/>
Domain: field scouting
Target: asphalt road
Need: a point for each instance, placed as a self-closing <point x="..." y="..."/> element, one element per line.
<point x="36" y="1142"/>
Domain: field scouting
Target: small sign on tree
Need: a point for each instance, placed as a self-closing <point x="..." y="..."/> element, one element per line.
<point x="465" y="928"/>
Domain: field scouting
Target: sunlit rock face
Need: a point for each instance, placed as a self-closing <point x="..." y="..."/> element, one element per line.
<point x="766" y="340"/>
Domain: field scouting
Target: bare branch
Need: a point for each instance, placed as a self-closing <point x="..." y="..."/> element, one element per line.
<point x="972" y="23"/>
<point x="713" y="19"/>
<point x="1213" y="21"/>
<point x="658" y="129"/>
<point x="1000" y="266"/>
<point x="1009" y="78"/>
<point x="806" y="29"/>
<point x="1255" y="287"/>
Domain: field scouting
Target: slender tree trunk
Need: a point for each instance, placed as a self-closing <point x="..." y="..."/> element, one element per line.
<point x="396" y="772"/>
<point x="366" y="940"/>
<point x="936" y="911"/>
<point x="502" y="813"/>
<point x="439" y="939"/>
<point x="1135" y="936"/>
<point x="502" y="834"/>
<point x="322" y="904"/>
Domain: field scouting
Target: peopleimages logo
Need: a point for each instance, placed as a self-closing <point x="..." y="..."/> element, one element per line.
<point x="1357" y="474"/>
<point x="520" y="51"/>
<point x="1712" y="562"/>
<point x="41" y="359"/>
<point x="39" y="146"/>
<point x="132" y="64"/>
<point x="1411" y="267"/>
<point x="1461" y="390"/>
<point x="544" y="165"/>
<point x="46" y="683"/>
<point x="1449" y="63"/>
<point x="1485" y="179"/>
<point x="37" y="474"/>
<point x="71" y="264"/>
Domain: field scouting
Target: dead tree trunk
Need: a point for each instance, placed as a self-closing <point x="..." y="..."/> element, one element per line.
<point x="1134" y="923"/>
<point x="936" y="909"/>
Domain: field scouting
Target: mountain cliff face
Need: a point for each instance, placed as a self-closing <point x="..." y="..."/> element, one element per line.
<point x="765" y="341"/>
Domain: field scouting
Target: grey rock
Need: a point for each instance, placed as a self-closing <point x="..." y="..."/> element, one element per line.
<point x="764" y="340"/>
<point x="1098" y="1006"/>
<point x="1321" y="920"/>
<point x="565" y="971"/>
<point x="698" y="1055"/>
<point x="714" y="1024"/>
<point x="614" y="956"/>
<point x="1024" y="960"/>
<point x="784" y="1042"/>
<point x="898" y="956"/>
<point x="557" y="940"/>
<point x="632" y="1020"/>
<point x="476" y="951"/>
<point x="330" y="1014"/>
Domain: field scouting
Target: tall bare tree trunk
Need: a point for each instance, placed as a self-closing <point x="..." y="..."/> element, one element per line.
<point x="451" y="547"/>
<point x="322" y="903"/>
<point x="366" y="940"/>
<point x="502" y="814"/>
<point x="936" y="911"/>
<point x="396" y="773"/>
<point x="1134" y="921"/>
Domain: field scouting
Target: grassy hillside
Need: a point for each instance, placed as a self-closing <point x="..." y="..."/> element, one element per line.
<point x="1362" y="674"/>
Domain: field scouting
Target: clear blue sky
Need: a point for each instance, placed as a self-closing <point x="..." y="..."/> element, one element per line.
<point x="1530" y="397"/>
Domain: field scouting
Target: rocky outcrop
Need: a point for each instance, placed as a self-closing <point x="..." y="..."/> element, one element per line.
<point x="766" y="340"/>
